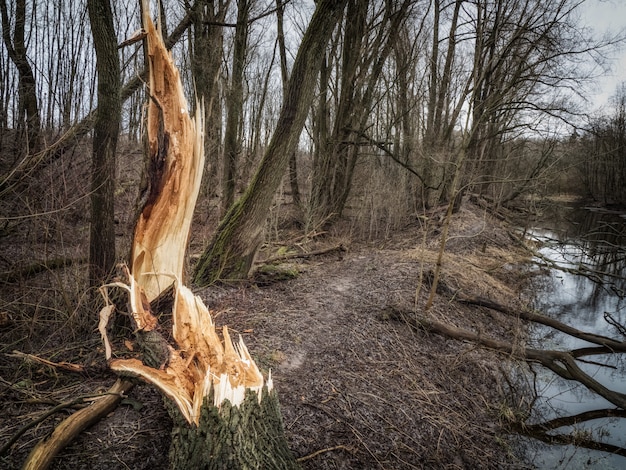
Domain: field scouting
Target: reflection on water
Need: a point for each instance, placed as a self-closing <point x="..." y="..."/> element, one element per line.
<point x="593" y="243"/>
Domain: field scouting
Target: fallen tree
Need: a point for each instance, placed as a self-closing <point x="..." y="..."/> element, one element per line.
<point x="562" y="362"/>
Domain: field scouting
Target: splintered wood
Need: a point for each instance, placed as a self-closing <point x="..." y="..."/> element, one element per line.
<point x="175" y="145"/>
<point x="200" y="362"/>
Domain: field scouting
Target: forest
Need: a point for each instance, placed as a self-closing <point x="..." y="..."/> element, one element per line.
<point x="328" y="178"/>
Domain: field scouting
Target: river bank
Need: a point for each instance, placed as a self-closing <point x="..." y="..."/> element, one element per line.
<point x="583" y="248"/>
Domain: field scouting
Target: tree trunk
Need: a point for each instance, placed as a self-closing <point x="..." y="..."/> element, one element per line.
<point x="293" y="162"/>
<point x="226" y="415"/>
<point x="206" y="61"/>
<point x="29" y="119"/>
<point x="364" y="57"/>
<point x="106" y="128"/>
<point x="248" y="436"/>
<point x="329" y="174"/>
<point x="231" y="253"/>
<point x="232" y="135"/>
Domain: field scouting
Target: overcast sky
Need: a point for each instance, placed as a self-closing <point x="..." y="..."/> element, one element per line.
<point x="604" y="15"/>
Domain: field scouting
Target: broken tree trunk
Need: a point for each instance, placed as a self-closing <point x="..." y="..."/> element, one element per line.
<point x="226" y="415"/>
<point x="176" y="161"/>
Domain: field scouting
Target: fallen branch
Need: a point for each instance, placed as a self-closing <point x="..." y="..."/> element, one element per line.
<point x="312" y="254"/>
<point x="56" y="365"/>
<point x="38" y="267"/>
<point x="575" y="419"/>
<point x="582" y="270"/>
<point x="562" y="363"/>
<point x="44" y="452"/>
<point x="612" y="344"/>
<point x="57" y="407"/>
<point x="540" y="430"/>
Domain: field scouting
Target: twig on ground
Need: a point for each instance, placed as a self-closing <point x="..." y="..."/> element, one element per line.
<point x="61" y="406"/>
<point x="57" y="365"/>
<point x="44" y="452"/>
<point x="321" y="451"/>
<point x="312" y="254"/>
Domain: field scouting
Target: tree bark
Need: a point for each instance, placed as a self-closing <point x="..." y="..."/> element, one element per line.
<point x="231" y="252"/>
<point x="106" y="128"/>
<point x="248" y="436"/>
<point x="206" y="62"/>
<point x="562" y="363"/>
<point x="365" y="51"/>
<point x="284" y="73"/>
<point x="29" y="118"/>
<point x="234" y="104"/>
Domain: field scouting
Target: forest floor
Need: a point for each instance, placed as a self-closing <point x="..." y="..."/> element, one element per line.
<point x="359" y="388"/>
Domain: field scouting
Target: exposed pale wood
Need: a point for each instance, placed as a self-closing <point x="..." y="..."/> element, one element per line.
<point x="176" y="162"/>
<point x="200" y="363"/>
<point x="225" y="415"/>
<point x="205" y="375"/>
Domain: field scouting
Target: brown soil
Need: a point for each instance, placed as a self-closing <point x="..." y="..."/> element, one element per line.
<point x="358" y="389"/>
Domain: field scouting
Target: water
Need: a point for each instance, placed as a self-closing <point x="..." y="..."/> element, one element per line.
<point x="595" y="241"/>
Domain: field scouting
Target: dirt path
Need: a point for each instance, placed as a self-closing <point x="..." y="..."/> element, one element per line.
<point x="370" y="392"/>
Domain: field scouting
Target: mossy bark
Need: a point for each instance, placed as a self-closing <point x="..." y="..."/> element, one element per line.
<point x="231" y="253"/>
<point x="233" y="248"/>
<point x="248" y="436"/>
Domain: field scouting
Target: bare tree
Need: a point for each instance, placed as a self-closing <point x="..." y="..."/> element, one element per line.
<point x="367" y="43"/>
<point x="29" y="120"/>
<point x="234" y="105"/>
<point x="599" y="153"/>
<point x="528" y="55"/>
<point x="106" y="128"/>
<point x="206" y="61"/>
<point x="239" y="235"/>
<point x="284" y="73"/>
